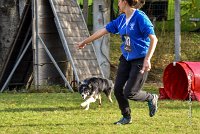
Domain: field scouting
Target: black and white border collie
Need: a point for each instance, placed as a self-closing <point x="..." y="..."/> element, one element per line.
<point x="91" y="89"/>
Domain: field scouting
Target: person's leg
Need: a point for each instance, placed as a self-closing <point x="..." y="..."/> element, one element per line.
<point x="135" y="82"/>
<point x="134" y="85"/>
<point x="121" y="78"/>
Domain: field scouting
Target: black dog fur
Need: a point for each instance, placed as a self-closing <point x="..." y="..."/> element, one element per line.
<point x="91" y="89"/>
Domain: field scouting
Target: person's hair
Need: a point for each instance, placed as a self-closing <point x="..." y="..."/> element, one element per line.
<point x="136" y="3"/>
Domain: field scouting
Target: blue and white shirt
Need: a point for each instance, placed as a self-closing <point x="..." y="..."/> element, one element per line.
<point x="138" y="30"/>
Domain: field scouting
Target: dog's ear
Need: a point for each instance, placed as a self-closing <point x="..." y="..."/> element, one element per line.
<point x="79" y="83"/>
<point x="79" y="86"/>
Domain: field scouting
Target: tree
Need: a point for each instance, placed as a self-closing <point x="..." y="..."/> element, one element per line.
<point x="9" y="20"/>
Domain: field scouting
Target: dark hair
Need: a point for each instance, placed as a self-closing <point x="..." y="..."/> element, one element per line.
<point x="136" y="3"/>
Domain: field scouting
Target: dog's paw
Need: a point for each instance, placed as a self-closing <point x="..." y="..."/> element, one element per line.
<point x="84" y="104"/>
<point x="87" y="108"/>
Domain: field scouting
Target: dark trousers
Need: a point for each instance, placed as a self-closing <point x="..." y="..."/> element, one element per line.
<point x="128" y="84"/>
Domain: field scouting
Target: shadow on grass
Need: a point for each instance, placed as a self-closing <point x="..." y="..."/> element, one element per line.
<point x="179" y="107"/>
<point x="67" y="124"/>
<point x="176" y="105"/>
<point x="40" y="109"/>
<point x="31" y="125"/>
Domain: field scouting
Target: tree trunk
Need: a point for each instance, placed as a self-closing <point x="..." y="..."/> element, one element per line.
<point x="9" y="19"/>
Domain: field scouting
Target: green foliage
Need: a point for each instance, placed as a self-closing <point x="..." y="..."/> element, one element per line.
<point x="89" y="2"/>
<point x="48" y="89"/>
<point x="60" y="113"/>
<point x="190" y="9"/>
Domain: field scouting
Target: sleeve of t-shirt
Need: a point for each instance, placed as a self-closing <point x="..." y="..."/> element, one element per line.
<point x="145" y="25"/>
<point x="113" y="26"/>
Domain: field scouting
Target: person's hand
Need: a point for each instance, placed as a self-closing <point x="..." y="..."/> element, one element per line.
<point x="146" y="66"/>
<point x="81" y="45"/>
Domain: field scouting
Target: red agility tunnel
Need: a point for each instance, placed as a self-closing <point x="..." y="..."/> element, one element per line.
<point x="180" y="78"/>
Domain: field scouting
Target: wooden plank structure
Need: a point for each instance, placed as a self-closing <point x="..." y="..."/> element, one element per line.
<point x="45" y="72"/>
<point x="72" y="28"/>
<point x="56" y="26"/>
<point x="24" y="69"/>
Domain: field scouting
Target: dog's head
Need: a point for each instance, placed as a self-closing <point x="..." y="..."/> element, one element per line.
<point x="85" y="90"/>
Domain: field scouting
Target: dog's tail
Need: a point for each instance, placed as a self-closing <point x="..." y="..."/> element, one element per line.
<point x="111" y="84"/>
<point x="111" y="89"/>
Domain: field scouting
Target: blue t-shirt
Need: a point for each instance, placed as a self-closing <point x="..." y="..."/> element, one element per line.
<point x="138" y="30"/>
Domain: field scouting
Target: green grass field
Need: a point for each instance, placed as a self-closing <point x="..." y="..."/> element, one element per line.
<point x="60" y="113"/>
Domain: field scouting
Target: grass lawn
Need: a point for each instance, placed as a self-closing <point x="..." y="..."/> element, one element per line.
<point x="60" y="113"/>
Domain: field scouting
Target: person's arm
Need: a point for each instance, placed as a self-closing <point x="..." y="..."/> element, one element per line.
<point x="93" y="37"/>
<point x="152" y="47"/>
